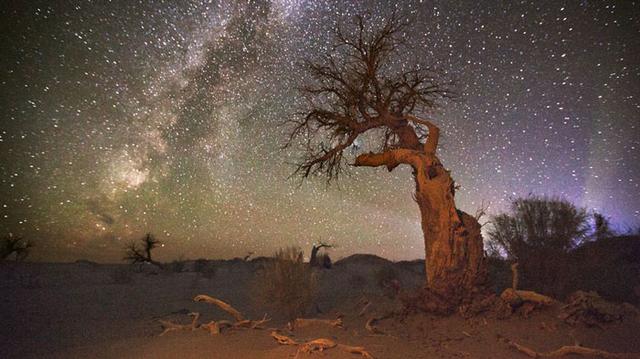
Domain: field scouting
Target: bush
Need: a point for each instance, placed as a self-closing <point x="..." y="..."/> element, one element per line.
<point x="287" y="284"/>
<point x="17" y="246"/>
<point x="538" y="234"/>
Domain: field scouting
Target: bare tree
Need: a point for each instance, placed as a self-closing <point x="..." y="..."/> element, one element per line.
<point x="359" y="91"/>
<point x="135" y="254"/>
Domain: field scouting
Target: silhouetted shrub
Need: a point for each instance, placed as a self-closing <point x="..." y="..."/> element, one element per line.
<point x="287" y="284"/>
<point x="538" y="233"/>
<point x="14" y="246"/>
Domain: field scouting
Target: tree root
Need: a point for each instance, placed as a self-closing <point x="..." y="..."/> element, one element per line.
<point x="319" y="345"/>
<point x="304" y="322"/>
<point x="568" y="350"/>
<point x="220" y="304"/>
<point x="171" y="326"/>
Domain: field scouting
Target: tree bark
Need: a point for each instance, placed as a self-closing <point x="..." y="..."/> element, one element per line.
<point x="454" y="254"/>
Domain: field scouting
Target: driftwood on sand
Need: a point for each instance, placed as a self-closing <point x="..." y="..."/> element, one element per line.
<point x="524" y="299"/>
<point x="170" y="326"/>
<point x="220" y="304"/>
<point x="569" y="350"/>
<point x="215" y="327"/>
<point x="318" y="345"/>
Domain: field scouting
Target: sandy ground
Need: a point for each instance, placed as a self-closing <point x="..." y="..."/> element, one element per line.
<point x="86" y="310"/>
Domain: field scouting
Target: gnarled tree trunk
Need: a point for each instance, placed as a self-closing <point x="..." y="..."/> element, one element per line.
<point x="454" y="255"/>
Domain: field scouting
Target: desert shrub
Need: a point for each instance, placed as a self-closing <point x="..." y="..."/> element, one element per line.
<point x="122" y="275"/>
<point x="16" y="246"/>
<point x="538" y="234"/>
<point x="286" y="284"/>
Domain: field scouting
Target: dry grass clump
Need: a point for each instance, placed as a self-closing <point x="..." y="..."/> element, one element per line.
<point x="286" y="285"/>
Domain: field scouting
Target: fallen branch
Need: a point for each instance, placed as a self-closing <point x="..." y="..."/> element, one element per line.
<point x="568" y="350"/>
<point x="319" y="345"/>
<point x="517" y="297"/>
<point x="170" y="326"/>
<point x="220" y="304"/>
<point x="356" y="350"/>
<point x="316" y="345"/>
<point x="371" y="328"/>
<point x="283" y="339"/>
<point x="215" y="328"/>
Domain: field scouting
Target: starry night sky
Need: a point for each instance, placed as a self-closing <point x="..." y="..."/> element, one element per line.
<point x="125" y="117"/>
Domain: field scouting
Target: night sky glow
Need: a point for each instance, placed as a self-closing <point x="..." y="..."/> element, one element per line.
<point x="120" y="118"/>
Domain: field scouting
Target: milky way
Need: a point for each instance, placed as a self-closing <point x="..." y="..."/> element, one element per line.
<point x="128" y="117"/>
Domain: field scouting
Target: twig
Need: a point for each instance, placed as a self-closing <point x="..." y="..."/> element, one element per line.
<point x="170" y="326"/>
<point x="319" y="345"/>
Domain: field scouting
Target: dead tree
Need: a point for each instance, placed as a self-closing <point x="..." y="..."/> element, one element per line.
<point x="135" y="254"/>
<point x="361" y="91"/>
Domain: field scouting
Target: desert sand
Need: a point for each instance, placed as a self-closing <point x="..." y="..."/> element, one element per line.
<point x="89" y="310"/>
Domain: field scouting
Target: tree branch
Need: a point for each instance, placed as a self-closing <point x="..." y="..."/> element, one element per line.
<point x="431" y="144"/>
<point x="390" y="158"/>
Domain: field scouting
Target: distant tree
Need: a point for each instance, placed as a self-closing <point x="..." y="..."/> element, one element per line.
<point x="362" y="94"/>
<point x="538" y="233"/>
<point x="15" y="245"/>
<point x="601" y="226"/>
<point x="135" y="254"/>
